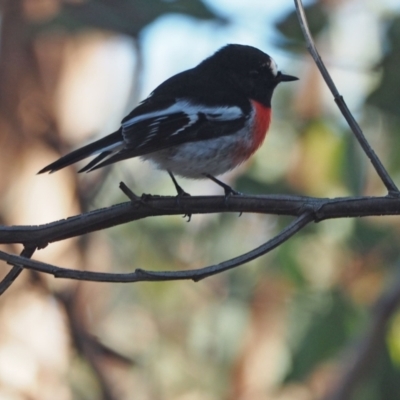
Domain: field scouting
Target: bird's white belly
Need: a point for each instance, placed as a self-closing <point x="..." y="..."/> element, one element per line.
<point x="212" y="156"/>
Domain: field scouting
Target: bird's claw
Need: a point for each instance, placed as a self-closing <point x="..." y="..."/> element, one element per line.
<point x="178" y="198"/>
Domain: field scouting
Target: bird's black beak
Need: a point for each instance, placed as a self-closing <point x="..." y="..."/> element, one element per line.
<point x="286" y="78"/>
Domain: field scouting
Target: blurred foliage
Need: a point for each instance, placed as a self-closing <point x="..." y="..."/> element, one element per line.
<point x="386" y="95"/>
<point x="382" y="382"/>
<point x="330" y="319"/>
<point x="292" y="36"/>
<point x="128" y="17"/>
<point x="284" y="319"/>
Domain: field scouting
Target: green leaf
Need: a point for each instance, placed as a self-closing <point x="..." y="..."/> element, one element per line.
<point x="329" y="326"/>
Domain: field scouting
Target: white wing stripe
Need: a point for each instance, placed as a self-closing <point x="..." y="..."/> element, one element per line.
<point x="185" y="106"/>
<point x="192" y="119"/>
<point x="112" y="147"/>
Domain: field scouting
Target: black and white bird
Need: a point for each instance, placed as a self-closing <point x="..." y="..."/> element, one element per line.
<point x="199" y="123"/>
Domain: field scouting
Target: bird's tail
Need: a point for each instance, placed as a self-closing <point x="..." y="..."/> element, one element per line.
<point x="103" y="147"/>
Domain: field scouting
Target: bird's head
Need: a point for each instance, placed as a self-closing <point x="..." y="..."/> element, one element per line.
<point x="252" y="71"/>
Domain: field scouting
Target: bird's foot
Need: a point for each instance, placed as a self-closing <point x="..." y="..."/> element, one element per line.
<point x="178" y="198"/>
<point x="179" y="190"/>
<point x="180" y="195"/>
<point x="227" y="189"/>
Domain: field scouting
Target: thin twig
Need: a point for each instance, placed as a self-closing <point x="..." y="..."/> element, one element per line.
<point x="141" y="275"/>
<point x="13" y="274"/>
<point x="363" y="359"/>
<point x="354" y="126"/>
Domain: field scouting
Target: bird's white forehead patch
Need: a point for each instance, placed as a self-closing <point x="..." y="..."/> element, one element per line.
<point x="273" y="67"/>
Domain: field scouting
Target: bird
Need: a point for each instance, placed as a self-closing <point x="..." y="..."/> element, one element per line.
<point x="200" y="123"/>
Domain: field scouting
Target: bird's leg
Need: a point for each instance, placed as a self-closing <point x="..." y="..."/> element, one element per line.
<point x="228" y="190"/>
<point x="178" y="188"/>
<point x="181" y="193"/>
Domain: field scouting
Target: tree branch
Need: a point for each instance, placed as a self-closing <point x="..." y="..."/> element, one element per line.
<point x="141" y="275"/>
<point x="307" y="209"/>
<point x="13" y="274"/>
<point x="41" y="235"/>
<point x="354" y="126"/>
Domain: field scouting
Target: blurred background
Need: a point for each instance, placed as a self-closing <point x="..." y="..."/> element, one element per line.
<point x="278" y="328"/>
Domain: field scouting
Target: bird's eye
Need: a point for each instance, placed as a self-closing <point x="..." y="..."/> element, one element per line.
<point x="254" y="72"/>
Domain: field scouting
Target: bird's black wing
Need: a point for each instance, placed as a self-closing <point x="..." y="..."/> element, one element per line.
<point x="164" y="122"/>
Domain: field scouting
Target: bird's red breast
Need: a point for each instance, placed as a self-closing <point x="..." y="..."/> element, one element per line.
<point x="262" y="120"/>
<point x="259" y="128"/>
